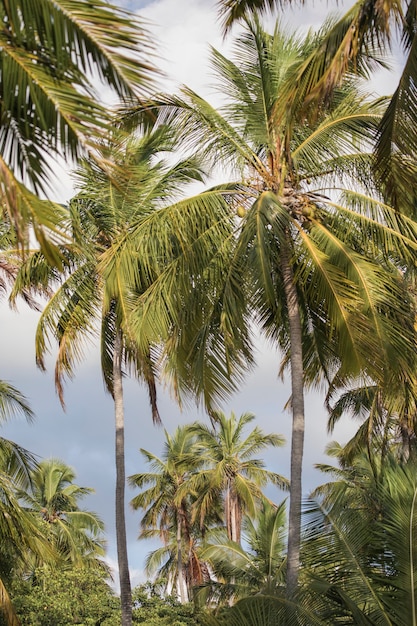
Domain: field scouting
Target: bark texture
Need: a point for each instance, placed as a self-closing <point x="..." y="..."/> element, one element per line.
<point x="298" y="425"/>
<point x="122" y="558"/>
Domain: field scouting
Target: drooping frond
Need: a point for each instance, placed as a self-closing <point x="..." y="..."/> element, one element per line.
<point x="231" y="11"/>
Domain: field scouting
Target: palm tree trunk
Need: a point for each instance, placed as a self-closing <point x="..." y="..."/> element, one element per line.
<point x="233" y="518"/>
<point x="7" y="607"/>
<point x="182" y="589"/>
<point x="298" y="424"/>
<point x="124" y="577"/>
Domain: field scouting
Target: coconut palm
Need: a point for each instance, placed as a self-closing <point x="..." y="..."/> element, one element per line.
<point x="230" y="472"/>
<point x="168" y="516"/>
<point x="106" y="268"/>
<point x="54" y="497"/>
<point x="308" y="257"/>
<point x="53" y="56"/>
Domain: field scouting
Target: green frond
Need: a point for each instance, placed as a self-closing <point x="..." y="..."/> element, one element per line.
<point x="69" y="317"/>
<point x="231" y="11"/>
<point x="13" y="403"/>
<point x="18" y="463"/>
<point x="346" y="550"/>
<point x="24" y="210"/>
<point x="395" y="138"/>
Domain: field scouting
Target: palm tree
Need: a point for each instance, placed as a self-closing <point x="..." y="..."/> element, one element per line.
<point x="105" y="269"/>
<point x="259" y="567"/>
<point x="49" y="52"/>
<point x="307" y="260"/>
<point x="388" y="415"/>
<point x="229" y="470"/>
<point x="54" y="497"/>
<point x="168" y="515"/>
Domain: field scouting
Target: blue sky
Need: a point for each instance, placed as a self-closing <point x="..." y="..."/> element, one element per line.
<point x="83" y="436"/>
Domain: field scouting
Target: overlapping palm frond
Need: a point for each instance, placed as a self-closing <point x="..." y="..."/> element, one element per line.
<point x="356" y="43"/>
<point x="52" y="54"/>
<point x="75" y="534"/>
<point x="259" y="567"/>
<point x="359" y="544"/>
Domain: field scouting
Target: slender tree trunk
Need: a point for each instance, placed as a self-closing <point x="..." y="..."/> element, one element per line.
<point x="298" y="420"/>
<point x="182" y="589"/>
<point x="406" y="438"/>
<point x="124" y="576"/>
<point x="232" y="514"/>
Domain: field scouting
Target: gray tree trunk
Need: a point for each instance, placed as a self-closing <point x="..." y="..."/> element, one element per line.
<point x="122" y="558"/>
<point x="298" y="423"/>
<point x="232" y="514"/>
<point x="182" y="586"/>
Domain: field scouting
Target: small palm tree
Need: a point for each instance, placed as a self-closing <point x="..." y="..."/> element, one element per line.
<point x="168" y="515"/>
<point x="229" y="471"/>
<point x="54" y="497"/>
<point x="258" y="567"/>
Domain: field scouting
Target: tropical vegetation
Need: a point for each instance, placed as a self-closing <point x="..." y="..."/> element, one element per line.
<point x="358" y="41"/>
<point x="310" y="241"/>
<point x="207" y="478"/>
<point x="316" y="244"/>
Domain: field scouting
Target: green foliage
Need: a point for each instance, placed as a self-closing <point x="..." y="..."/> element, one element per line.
<point x="360" y="547"/>
<point x="53" y="499"/>
<point x="150" y="608"/>
<point x="54" y="597"/>
<point x="207" y="477"/>
<point x="259" y="567"/>
<point x="49" y="52"/>
<point x="314" y="256"/>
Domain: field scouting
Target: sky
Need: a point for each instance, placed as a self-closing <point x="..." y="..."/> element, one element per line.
<point x="83" y="435"/>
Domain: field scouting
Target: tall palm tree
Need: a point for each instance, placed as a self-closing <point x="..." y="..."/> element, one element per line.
<point x="308" y="259"/>
<point x="168" y="515"/>
<point x="54" y="497"/>
<point x="229" y="470"/>
<point x="106" y="268"/>
<point x="53" y="53"/>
